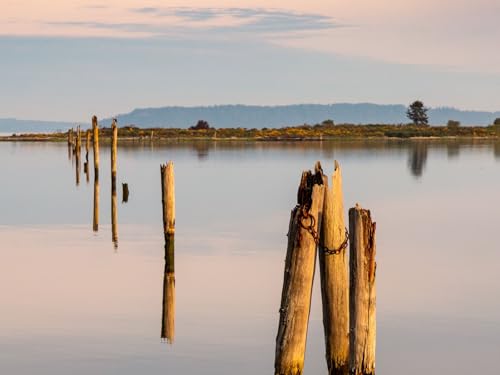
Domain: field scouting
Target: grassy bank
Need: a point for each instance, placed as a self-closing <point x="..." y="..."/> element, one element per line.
<point x="295" y="133"/>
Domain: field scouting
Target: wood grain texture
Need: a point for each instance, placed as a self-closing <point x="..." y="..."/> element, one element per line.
<point x="168" y="197"/>
<point x="95" y="144"/>
<point x="362" y="304"/>
<point x="334" y="278"/>
<point x="298" y="276"/>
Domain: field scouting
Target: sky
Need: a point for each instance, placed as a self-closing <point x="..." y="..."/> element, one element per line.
<point x="68" y="60"/>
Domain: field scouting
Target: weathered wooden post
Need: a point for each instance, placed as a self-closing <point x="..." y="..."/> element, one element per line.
<point x="95" y="130"/>
<point x="77" y="155"/>
<point x="334" y="277"/>
<point x="299" y="274"/>
<point x="168" y="305"/>
<point x="95" y="144"/>
<point x="125" y="192"/>
<point x="168" y="198"/>
<point x="362" y="293"/>
<point x="114" y="212"/>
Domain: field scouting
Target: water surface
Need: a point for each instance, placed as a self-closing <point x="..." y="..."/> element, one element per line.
<point x="72" y="302"/>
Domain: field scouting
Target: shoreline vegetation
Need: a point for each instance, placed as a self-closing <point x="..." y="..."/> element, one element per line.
<point x="324" y="131"/>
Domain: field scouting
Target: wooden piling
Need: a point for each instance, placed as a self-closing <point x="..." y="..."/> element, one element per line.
<point x="299" y="274"/>
<point x="333" y="264"/>
<point x="362" y="293"/>
<point x="125" y="192"/>
<point x="87" y="143"/>
<point x="168" y="305"/>
<point x="95" y="131"/>
<point x="168" y="198"/>
<point x="114" y="209"/>
<point x="95" y="145"/>
<point x="86" y="163"/>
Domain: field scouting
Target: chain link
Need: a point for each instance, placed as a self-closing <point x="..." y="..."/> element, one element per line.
<point x="304" y="214"/>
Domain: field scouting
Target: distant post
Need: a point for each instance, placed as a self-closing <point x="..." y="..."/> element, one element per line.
<point x="168" y="198"/>
<point x="362" y="296"/>
<point x="332" y="256"/>
<point x="95" y="144"/>
<point x="299" y="273"/>
<point x="114" y="213"/>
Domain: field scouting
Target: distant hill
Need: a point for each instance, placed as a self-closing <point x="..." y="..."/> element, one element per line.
<point x="225" y="116"/>
<point x="10" y="125"/>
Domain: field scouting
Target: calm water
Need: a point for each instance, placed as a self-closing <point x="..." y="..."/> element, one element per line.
<point x="72" y="303"/>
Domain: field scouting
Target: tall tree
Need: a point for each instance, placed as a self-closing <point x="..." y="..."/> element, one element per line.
<point x="417" y="113"/>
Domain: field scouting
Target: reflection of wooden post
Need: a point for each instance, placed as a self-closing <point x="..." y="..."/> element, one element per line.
<point x="299" y="273"/>
<point x="125" y="193"/>
<point x="86" y="163"/>
<point x="95" y="144"/>
<point x="362" y="294"/>
<point x="95" y="225"/>
<point x="114" y="213"/>
<point x="168" y="198"/>
<point x="334" y="278"/>
<point x="95" y="130"/>
<point x="168" y="305"/>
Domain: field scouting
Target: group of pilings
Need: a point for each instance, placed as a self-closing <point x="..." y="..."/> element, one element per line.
<point x="317" y="228"/>
<point x="74" y="148"/>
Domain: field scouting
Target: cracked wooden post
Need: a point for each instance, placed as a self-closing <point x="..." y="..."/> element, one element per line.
<point x="168" y="305"/>
<point x="114" y="209"/>
<point x="299" y="274"/>
<point x="333" y="265"/>
<point x="95" y="146"/>
<point x="362" y="301"/>
<point x="168" y="198"/>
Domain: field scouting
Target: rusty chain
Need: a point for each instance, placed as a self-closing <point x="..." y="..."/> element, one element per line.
<point x="310" y="228"/>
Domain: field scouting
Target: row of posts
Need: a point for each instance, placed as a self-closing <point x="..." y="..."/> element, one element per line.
<point x="74" y="148"/>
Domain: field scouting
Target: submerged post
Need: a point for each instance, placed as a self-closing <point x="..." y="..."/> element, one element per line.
<point x="168" y="198"/>
<point x="168" y="305"/>
<point x="334" y="277"/>
<point x="362" y="300"/>
<point x="125" y="192"/>
<point x="299" y="274"/>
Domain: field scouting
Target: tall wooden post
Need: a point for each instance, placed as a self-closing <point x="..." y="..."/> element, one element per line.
<point x="95" y="144"/>
<point x="114" y="213"/>
<point x="95" y="130"/>
<point x="362" y="301"/>
<point x="168" y="305"/>
<point x="168" y="198"/>
<point x="332" y="256"/>
<point x="299" y="274"/>
<point x="78" y="145"/>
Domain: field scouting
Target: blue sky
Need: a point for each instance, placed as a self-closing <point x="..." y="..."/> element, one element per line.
<point x="71" y="61"/>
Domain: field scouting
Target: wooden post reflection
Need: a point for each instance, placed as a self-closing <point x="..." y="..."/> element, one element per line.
<point x="168" y="305"/>
<point x="95" y="130"/>
<point x="86" y="164"/>
<point x="114" y="213"/>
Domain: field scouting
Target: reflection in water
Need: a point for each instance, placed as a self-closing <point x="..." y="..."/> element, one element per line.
<point x="418" y="158"/>
<point x="114" y="219"/>
<point x="453" y="149"/>
<point x="77" y="167"/>
<point x="202" y="149"/>
<point x="496" y="150"/>
<point x="95" y="225"/>
<point x="168" y="305"/>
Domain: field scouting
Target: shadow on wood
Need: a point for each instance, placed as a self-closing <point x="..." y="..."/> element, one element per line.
<point x="168" y="305"/>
